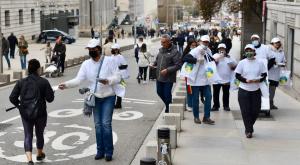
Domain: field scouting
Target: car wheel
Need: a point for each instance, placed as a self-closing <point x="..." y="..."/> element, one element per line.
<point x="43" y="41"/>
<point x="67" y="41"/>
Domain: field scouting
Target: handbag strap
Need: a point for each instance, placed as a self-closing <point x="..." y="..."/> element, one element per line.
<point x="99" y="69"/>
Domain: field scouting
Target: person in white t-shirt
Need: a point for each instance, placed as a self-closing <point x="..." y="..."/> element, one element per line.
<point x="123" y="67"/>
<point x="200" y="55"/>
<point x="274" y="67"/>
<point x="250" y="72"/>
<point x="262" y="51"/>
<point x="225" y="67"/>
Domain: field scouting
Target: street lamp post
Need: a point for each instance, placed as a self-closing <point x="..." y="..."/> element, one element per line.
<point x="101" y="13"/>
<point x="1" y="57"/>
<point x="135" y="19"/>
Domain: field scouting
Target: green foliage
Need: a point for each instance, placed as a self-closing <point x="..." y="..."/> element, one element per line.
<point x="208" y="8"/>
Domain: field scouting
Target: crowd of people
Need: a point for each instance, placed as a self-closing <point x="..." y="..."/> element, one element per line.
<point x="204" y="61"/>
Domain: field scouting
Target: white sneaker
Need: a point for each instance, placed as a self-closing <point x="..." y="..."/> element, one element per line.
<point x="189" y="109"/>
<point x="144" y="82"/>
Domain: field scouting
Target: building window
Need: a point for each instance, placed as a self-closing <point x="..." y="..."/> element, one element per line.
<point x="7" y="18"/>
<point x="77" y="11"/>
<point x="32" y="16"/>
<point x="21" y="17"/>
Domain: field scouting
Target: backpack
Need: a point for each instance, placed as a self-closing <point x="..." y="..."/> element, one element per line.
<point x="29" y="99"/>
<point x="136" y="52"/>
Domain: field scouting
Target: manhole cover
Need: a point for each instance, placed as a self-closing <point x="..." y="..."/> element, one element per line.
<point x="4" y="126"/>
<point x="262" y="117"/>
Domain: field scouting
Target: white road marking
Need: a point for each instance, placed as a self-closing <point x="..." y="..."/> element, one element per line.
<point x="57" y="144"/>
<point x="128" y="115"/>
<point x="78" y="101"/>
<point x="78" y="126"/>
<point x="143" y="103"/>
<point x="140" y="100"/>
<point x="11" y="119"/>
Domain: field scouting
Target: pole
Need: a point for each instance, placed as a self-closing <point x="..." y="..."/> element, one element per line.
<point x="135" y="19"/>
<point x="101" y="14"/>
<point x="168" y="13"/>
<point x="1" y="57"/>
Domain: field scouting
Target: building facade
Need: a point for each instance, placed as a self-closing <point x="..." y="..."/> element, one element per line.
<point x="283" y="21"/>
<point x="21" y="18"/>
<point x="91" y="12"/>
<point x="168" y="11"/>
<point x="136" y="6"/>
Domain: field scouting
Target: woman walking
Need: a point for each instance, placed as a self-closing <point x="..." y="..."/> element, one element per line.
<point x="23" y="51"/>
<point x="143" y="63"/>
<point x="123" y="67"/>
<point x="190" y="46"/>
<point x="250" y="72"/>
<point x="103" y="87"/>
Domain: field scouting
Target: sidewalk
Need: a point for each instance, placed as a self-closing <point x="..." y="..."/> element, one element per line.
<point x="74" y="50"/>
<point x="275" y="142"/>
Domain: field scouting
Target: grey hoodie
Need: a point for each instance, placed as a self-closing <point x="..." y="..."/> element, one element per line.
<point x="169" y="59"/>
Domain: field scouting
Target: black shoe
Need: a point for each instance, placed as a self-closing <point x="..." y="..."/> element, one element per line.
<point x="202" y="100"/>
<point x="139" y="80"/>
<point x="226" y="109"/>
<point x="99" y="156"/>
<point x="197" y="121"/>
<point x="249" y="135"/>
<point x="118" y="107"/>
<point x="208" y="121"/>
<point x="214" y="109"/>
<point x="41" y="157"/>
<point x="30" y="163"/>
<point x="108" y="158"/>
<point x="273" y="107"/>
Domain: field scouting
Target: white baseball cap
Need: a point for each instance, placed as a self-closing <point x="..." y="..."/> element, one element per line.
<point x="222" y="46"/>
<point x="249" y="46"/>
<point x="274" y="40"/>
<point x="255" y="36"/>
<point x="93" y="43"/>
<point x="115" y="46"/>
<point x="205" y="38"/>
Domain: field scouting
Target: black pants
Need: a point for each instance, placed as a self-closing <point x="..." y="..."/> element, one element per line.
<point x="143" y="73"/>
<point x="216" y="94"/>
<point x="12" y="52"/>
<point x="62" y="63"/>
<point x="39" y="125"/>
<point x="250" y="105"/>
<point x="118" y="102"/>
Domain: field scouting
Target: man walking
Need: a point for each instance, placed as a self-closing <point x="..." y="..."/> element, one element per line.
<point x="13" y="42"/>
<point x="168" y="63"/>
<point x="5" y="50"/>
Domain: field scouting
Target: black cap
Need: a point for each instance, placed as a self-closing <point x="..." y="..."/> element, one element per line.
<point x="148" y="161"/>
<point x="163" y="133"/>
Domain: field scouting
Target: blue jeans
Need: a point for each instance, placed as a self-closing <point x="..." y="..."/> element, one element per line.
<point x="207" y="95"/>
<point x="102" y="118"/>
<point x="23" y="61"/>
<point x="164" y="91"/>
<point x="7" y="60"/>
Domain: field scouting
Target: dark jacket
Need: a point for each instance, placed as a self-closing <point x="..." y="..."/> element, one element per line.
<point x="5" y="46"/>
<point x="60" y="49"/>
<point x="46" y="93"/>
<point x="13" y="41"/>
<point x="169" y="59"/>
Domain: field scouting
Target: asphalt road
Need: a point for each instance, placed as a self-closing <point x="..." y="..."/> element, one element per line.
<point x="70" y="137"/>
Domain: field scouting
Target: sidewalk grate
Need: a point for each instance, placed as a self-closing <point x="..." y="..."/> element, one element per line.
<point x="262" y="117"/>
<point x="4" y="126"/>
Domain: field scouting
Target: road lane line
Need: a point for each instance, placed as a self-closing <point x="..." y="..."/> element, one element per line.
<point x="143" y="103"/>
<point x="11" y="119"/>
<point x="140" y="100"/>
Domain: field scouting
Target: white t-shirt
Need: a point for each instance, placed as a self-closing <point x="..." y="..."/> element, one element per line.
<point x="263" y="52"/>
<point x="201" y="79"/>
<point x="120" y="60"/>
<point x="274" y="72"/>
<point x="224" y="70"/>
<point x="250" y="70"/>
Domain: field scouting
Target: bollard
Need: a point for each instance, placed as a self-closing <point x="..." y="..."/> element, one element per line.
<point x="18" y="75"/>
<point x="5" y="78"/>
<point x="151" y="149"/>
<point x="178" y="108"/>
<point x="172" y="119"/>
<point x="164" y="149"/>
<point x="148" y="161"/>
<point x="173" y="134"/>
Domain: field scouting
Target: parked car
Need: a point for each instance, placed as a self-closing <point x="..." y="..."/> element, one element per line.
<point x="52" y="35"/>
